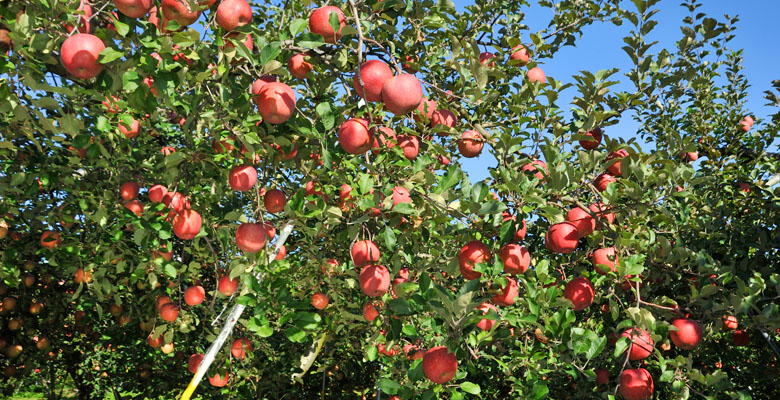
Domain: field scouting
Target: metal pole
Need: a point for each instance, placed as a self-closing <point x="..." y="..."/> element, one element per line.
<point x="232" y="318"/>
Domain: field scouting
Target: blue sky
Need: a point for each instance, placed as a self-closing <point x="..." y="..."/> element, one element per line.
<point x="600" y="48"/>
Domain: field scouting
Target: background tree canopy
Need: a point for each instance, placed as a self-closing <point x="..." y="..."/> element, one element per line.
<point x="152" y="152"/>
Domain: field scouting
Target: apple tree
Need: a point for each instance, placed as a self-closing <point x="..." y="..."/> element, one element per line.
<point x="157" y="154"/>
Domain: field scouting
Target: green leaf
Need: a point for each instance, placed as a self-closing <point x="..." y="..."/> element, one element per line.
<point x="294" y="334"/>
<point x="388" y="386"/>
<point x="298" y="26"/>
<point x="471" y="388"/>
<point x="170" y="271"/>
<point x="270" y="52"/>
<point x="109" y="54"/>
<point x="492" y="207"/>
<point x="389" y="237"/>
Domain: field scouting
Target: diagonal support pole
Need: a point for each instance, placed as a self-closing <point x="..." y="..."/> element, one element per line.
<point x="230" y="323"/>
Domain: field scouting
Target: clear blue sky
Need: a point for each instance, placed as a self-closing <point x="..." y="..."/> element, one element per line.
<point x="600" y="48"/>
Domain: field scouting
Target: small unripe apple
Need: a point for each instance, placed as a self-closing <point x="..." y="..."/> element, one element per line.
<point x="562" y="238"/>
<point x="251" y="237"/>
<point x="227" y="286"/>
<point x="471" y="253"/>
<point x="439" y="365"/>
<point x="636" y="384"/>
<point x="374" y="280"/>
<point x="402" y="94"/>
<point x="298" y="66"/>
<point x="364" y="252"/>
<point x="319" y="23"/>
<point x="374" y="74"/>
<point x="580" y="292"/>
<point x="516" y="259"/>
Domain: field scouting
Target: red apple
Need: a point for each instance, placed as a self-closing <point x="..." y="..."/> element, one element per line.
<point x="161" y="301"/>
<point x="636" y="384"/>
<point x="410" y="145"/>
<point x="384" y="136"/>
<point x="240" y="347"/>
<point x="80" y="54"/>
<point x="374" y="74"/>
<point x="402" y="94"/>
<point x="136" y="206"/>
<point x="604" y="257"/>
<point x="319" y="301"/>
<point x="51" y="239"/>
<point x="298" y="66"/>
<point x="690" y="156"/>
<point x="520" y="53"/>
<point x="242" y="177"/>
<point x="157" y="193"/>
<point x="536" y="75"/>
<point x="154" y="342"/>
<point x="132" y="130"/>
<point x="354" y="137"/>
<point x="401" y="195"/>
<point x="233" y="13"/>
<point x="128" y="190"/>
<point x="194" y="362"/>
<point x="250" y="237"/>
<point x="194" y="295"/>
<point x="584" y="222"/>
<point x="470" y="144"/>
<point x="370" y="312"/>
<point x="169" y="312"/>
<point x="227" y="286"/>
<point x="364" y="252"/>
<point x="319" y="23"/>
<point x="255" y="90"/>
<point x="508" y="293"/>
<point x="85" y="26"/>
<point x="562" y="238"/>
<point x="486" y="324"/>
<point x="603" y="180"/>
<point x="593" y="141"/>
<point x="274" y="201"/>
<point x="276" y="102"/>
<point x="602" y="211"/>
<point x="688" y="335"/>
<point x="641" y="343"/>
<point x="439" y="365"/>
<point x="176" y="201"/>
<point x="374" y="280"/>
<point x="187" y="224"/>
<point x="179" y="11"/>
<point x="426" y="109"/>
<point x="282" y="252"/>
<point x="219" y="379"/>
<point x="532" y="167"/>
<point x="580" y="292"/>
<point x="614" y="168"/>
<point x="134" y="8"/>
<point x="471" y="253"/>
<point x="487" y="59"/>
<point x="602" y="376"/>
<point x="443" y="117"/>
<point x="741" y="338"/>
<point x="729" y="322"/>
<point x="516" y="259"/>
